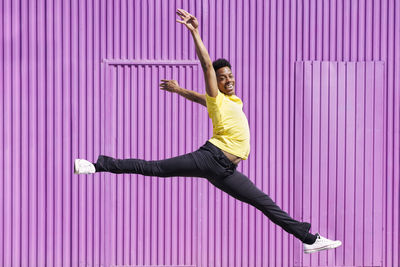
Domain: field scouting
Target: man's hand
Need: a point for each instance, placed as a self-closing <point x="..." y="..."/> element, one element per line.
<point x="169" y="85"/>
<point x="188" y="19"/>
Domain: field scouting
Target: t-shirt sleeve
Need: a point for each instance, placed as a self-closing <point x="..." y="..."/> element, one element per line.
<point x="214" y="101"/>
<point x="214" y="105"/>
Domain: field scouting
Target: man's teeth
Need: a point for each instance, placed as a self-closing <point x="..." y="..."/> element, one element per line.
<point x="230" y="86"/>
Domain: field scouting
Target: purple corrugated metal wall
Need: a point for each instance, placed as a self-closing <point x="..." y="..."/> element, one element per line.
<point x="80" y="78"/>
<point x="338" y="158"/>
<point x="152" y="220"/>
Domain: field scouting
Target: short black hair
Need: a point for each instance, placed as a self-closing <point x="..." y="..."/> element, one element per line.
<point x="220" y="63"/>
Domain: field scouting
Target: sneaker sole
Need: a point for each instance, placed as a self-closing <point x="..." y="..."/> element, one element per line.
<point x="75" y="163"/>
<point x="323" y="248"/>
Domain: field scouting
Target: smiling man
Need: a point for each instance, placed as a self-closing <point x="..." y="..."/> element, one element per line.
<point x="218" y="158"/>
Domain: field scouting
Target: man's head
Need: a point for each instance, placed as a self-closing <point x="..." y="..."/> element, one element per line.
<point x="225" y="79"/>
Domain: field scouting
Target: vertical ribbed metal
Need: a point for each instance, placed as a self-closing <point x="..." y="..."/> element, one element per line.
<point x="338" y="161"/>
<point x="151" y="221"/>
<point x="54" y="102"/>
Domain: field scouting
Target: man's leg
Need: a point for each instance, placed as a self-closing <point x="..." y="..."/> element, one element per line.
<point x="243" y="189"/>
<point x="183" y="165"/>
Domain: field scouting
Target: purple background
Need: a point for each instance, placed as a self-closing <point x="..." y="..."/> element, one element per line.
<point x="80" y="78"/>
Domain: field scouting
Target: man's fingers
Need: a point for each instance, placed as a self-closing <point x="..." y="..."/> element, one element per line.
<point x="180" y="21"/>
<point x="184" y="12"/>
<point x="166" y="89"/>
<point x="180" y="15"/>
<point x="180" y="10"/>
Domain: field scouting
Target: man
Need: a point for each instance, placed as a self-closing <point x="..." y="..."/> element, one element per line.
<point x="218" y="158"/>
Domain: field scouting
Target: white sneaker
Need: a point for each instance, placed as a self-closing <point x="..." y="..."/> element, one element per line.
<point x="82" y="166"/>
<point x="321" y="244"/>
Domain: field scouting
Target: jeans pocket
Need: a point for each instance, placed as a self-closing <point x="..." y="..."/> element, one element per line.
<point x="224" y="166"/>
<point x="227" y="165"/>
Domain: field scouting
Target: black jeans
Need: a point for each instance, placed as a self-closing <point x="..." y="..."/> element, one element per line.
<point x="211" y="163"/>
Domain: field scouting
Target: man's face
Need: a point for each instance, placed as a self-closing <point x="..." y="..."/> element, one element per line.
<point x="226" y="81"/>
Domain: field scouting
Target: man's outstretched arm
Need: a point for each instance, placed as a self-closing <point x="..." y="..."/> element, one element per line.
<point x="210" y="77"/>
<point x="173" y="87"/>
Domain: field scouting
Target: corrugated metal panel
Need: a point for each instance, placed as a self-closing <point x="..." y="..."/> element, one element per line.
<point x="151" y="220"/>
<point x="338" y="161"/>
<point x="53" y="111"/>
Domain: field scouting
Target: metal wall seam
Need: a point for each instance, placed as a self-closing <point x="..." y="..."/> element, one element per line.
<point x="2" y="132"/>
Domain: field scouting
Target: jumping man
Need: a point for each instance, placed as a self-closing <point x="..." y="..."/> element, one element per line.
<point x="219" y="157"/>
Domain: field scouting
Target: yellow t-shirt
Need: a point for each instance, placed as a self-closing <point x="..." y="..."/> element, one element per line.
<point x="231" y="131"/>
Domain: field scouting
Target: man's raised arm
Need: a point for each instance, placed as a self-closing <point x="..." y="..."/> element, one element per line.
<point x="210" y="77"/>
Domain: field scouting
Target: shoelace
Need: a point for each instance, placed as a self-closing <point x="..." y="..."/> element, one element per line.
<point x="322" y="239"/>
